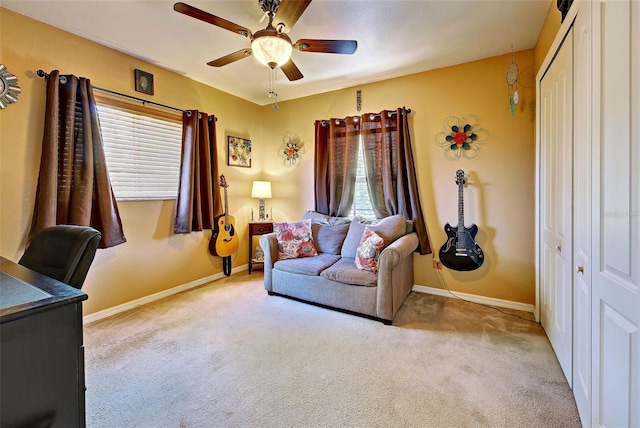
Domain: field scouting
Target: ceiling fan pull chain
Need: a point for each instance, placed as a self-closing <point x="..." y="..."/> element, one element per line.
<point x="272" y="83"/>
<point x="272" y="88"/>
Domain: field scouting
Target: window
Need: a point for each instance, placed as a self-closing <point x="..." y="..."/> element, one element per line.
<point x="361" y="201"/>
<point x="142" y="153"/>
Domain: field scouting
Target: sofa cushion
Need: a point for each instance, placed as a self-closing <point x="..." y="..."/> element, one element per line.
<point x="319" y="218"/>
<point x="308" y="265"/>
<point x="368" y="251"/>
<point x="329" y="238"/>
<point x="345" y="271"/>
<point x="294" y="239"/>
<point x="389" y="229"/>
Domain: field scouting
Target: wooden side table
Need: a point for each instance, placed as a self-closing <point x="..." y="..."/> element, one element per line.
<point x="257" y="228"/>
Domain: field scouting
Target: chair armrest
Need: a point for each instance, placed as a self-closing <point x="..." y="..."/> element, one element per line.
<point x="398" y="250"/>
<point x="395" y="275"/>
<point x="269" y="245"/>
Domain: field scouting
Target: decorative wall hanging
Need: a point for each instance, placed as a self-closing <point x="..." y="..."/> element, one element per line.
<point x="144" y="82"/>
<point x="238" y="152"/>
<point x="461" y="137"/>
<point x="358" y="100"/>
<point x="9" y="88"/>
<point x="291" y="150"/>
<point x="512" y="84"/>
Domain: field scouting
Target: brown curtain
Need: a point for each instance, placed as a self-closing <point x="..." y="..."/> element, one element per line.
<point x="390" y="170"/>
<point x="73" y="185"/>
<point x="336" y="148"/>
<point x="198" y="202"/>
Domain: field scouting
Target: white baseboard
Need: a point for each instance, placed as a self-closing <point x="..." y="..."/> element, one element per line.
<point x="477" y="299"/>
<point x="96" y="316"/>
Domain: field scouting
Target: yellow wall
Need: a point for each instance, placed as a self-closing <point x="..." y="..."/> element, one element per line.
<point x="152" y="259"/>
<point x="549" y="30"/>
<point x="499" y="198"/>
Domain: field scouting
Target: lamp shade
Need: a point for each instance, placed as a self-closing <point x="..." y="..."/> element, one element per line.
<point x="271" y="48"/>
<point x="261" y="189"/>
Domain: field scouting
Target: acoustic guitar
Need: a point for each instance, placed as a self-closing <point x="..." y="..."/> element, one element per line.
<point x="460" y="251"/>
<point x="224" y="240"/>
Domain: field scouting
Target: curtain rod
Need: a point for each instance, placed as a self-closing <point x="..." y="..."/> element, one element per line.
<point x="372" y="115"/>
<point x="42" y="73"/>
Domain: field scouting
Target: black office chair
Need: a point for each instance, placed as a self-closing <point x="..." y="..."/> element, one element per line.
<point x="63" y="252"/>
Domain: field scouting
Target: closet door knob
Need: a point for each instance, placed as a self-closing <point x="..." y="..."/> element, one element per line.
<point x="559" y="248"/>
<point x="580" y="269"/>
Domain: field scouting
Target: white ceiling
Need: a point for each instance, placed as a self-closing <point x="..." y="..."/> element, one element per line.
<point x="395" y="38"/>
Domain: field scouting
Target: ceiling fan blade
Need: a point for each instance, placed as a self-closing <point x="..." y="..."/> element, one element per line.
<point x="228" y="59"/>
<point x="327" y="46"/>
<point x="291" y="71"/>
<point x="211" y="19"/>
<point x="289" y="12"/>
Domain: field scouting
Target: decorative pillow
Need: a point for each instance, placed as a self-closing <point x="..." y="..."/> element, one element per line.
<point x="294" y="240"/>
<point x="368" y="251"/>
<point x="389" y="228"/>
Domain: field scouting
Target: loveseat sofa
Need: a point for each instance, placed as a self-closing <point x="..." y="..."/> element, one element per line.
<point x="331" y="277"/>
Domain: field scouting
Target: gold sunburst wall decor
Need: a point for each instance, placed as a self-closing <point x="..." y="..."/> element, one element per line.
<point x="291" y="150"/>
<point x="9" y="88"/>
<point x="461" y="137"/>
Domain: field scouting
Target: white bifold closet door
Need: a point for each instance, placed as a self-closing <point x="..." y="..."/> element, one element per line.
<point x="556" y="212"/>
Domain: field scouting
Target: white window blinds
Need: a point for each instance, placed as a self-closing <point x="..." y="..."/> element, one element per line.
<point x="142" y="152"/>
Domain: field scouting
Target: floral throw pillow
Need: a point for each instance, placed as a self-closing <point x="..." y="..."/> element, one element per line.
<point x="294" y="240"/>
<point x="368" y="251"/>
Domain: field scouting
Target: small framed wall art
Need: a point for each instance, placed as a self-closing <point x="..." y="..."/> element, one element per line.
<point x="144" y="82"/>
<point x="238" y="152"/>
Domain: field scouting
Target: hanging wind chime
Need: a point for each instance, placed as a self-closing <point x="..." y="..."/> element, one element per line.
<point x="512" y="84"/>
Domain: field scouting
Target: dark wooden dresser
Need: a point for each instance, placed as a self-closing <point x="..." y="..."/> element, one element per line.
<point x="41" y="350"/>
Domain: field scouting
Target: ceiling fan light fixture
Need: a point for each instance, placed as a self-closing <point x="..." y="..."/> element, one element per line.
<point x="271" y="48"/>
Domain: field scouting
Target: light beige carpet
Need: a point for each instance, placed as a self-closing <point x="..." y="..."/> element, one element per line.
<point x="229" y="355"/>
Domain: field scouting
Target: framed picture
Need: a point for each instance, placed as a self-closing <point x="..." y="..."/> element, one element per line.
<point x="144" y="82"/>
<point x="238" y="152"/>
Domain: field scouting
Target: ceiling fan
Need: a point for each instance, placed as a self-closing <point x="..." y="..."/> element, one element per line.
<point x="271" y="46"/>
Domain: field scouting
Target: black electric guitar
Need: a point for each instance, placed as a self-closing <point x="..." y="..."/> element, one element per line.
<point x="224" y="240"/>
<point x="460" y="251"/>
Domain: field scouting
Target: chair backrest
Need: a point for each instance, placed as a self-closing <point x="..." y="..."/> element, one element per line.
<point x="63" y="252"/>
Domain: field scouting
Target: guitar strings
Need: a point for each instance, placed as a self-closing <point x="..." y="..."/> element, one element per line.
<point x="444" y="282"/>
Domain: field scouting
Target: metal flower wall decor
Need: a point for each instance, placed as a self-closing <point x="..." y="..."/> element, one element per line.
<point x="462" y="137"/>
<point x="291" y="150"/>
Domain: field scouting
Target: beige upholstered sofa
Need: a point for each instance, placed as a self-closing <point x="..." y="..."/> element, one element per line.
<point x="332" y="279"/>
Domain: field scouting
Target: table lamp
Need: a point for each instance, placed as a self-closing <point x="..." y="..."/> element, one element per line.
<point x="261" y="190"/>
